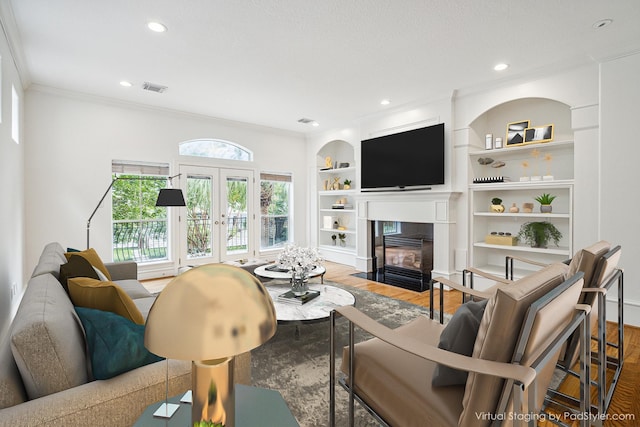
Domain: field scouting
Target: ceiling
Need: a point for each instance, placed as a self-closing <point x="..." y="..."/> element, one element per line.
<point x="272" y="62"/>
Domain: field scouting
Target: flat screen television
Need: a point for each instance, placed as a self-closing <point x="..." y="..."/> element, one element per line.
<point x="410" y="160"/>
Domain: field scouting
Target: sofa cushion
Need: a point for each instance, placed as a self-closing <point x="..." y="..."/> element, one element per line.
<point x="47" y="341"/>
<point x="497" y="336"/>
<point x="115" y="344"/>
<point x="459" y="336"/>
<point x="11" y="388"/>
<point x="133" y="288"/>
<point x="77" y="266"/>
<point x="50" y="260"/>
<point x="92" y="256"/>
<point x="106" y="296"/>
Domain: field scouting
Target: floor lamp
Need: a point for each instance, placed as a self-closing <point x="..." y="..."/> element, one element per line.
<point x="166" y="196"/>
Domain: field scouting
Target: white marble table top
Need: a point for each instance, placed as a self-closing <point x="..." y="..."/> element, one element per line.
<point x="315" y="310"/>
<point x="263" y="272"/>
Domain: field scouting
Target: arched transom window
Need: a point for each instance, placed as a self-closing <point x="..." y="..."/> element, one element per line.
<point x="215" y="149"/>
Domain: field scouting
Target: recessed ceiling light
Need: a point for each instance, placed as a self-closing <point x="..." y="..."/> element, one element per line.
<point x="602" y="23"/>
<point x="385" y="102"/>
<point x="501" y="67"/>
<point x="315" y="124"/>
<point x="125" y="83"/>
<point x="157" y="27"/>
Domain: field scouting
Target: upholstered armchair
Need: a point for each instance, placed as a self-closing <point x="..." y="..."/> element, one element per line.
<point x="599" y="263"/>
<point x="402" y="376"/>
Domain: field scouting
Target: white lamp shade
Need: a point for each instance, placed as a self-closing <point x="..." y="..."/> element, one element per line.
<point x="209" y="312"/>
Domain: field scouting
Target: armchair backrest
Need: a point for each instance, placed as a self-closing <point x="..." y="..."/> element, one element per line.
<point x="604" y="268"/>
<point x="586" y="261"/>
<point x="498" y="334"/>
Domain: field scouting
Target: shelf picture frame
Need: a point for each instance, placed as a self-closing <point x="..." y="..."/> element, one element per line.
<point x="516" y="132"/>
<point x="538" y="134"/>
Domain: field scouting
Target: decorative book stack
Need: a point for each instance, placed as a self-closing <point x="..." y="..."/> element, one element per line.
<point x="289" y="298"/>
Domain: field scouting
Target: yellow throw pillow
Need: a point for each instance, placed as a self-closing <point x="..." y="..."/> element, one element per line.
<point x="105" y="296"/>
<point x="94" y="259"/>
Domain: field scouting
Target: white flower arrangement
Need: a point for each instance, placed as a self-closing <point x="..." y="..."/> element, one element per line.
<point x="298" y="260"/>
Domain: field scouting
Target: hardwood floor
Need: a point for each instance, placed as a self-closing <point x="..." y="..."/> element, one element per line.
<point x="625" y="402"/>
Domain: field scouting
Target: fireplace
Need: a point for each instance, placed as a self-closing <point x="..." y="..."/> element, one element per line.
<point x="429" y="216"/>
<point x="403" y="253"/>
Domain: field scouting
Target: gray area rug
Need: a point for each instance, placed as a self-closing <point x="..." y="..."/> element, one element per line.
<point x="299" y="369"/>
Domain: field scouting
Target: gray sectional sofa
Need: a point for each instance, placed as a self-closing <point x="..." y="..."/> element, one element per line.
<point x="44" y="375"/>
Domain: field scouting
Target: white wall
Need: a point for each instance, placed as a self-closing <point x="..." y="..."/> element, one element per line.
<point x="619" y="204"/>
<point x="12" y="208"/>
<point x="72" y="140"/>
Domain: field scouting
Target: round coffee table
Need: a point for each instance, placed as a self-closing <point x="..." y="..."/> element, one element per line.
<point x="265" y="272"/>
<point x="317" y="310"/>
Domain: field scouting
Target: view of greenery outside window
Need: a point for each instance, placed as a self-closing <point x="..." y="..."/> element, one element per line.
<point x="237" y="231"/>
<point x="139" y="227"/>
<point x="199" y="216"/>
<point x="275" y="210"/>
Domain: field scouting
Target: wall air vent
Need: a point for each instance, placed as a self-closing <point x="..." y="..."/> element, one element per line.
<point x="153" y="87"/>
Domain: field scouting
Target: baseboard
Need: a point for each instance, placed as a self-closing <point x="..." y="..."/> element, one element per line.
<point x="631" y="311"/>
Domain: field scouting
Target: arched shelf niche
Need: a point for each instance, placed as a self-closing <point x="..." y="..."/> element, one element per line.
<point x="530" y="169"/>
<point x="539" y="112"/>
<point x="337" y="187"/>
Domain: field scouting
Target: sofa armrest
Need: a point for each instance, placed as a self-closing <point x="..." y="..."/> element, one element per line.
<point x="118" y="401"/>
<point x="122" y="270"/>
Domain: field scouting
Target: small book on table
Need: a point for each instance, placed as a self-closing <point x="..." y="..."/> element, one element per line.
<point x="289" y="298"/>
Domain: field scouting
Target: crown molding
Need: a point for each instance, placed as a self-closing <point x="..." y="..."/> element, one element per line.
<point x="11" y="34"/>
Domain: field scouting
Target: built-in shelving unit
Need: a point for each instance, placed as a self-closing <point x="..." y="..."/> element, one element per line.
<point x="336" y="204"/>
<point x="549" y="167"/>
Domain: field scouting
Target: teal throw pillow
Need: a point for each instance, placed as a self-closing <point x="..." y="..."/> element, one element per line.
<point x="459" y="336"/>
<point x="115" y="344"/>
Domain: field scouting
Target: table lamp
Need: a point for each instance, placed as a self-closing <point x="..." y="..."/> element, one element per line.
<point x="208" y="315"/>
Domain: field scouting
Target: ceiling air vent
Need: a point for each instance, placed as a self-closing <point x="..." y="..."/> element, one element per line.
<point x="305" y="121"/>
<point x="154" y="87"/>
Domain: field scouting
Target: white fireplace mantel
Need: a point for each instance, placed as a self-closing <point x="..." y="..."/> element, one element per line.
<point x="422" y="206"/>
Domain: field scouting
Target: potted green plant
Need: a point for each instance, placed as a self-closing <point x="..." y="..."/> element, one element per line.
<point x="333" y="239"/>
<point x="342" y="237"/>
<point x="545" y="200"/>
<point x="347" y="184"/>
<point x="496" y="205"/>
<point x="538" y="234"/>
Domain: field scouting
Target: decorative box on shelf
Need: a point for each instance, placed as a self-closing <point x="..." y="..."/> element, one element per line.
<point x="494" y="239"/>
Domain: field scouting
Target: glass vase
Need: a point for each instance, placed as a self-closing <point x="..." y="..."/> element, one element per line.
<point x="299" y="283"/>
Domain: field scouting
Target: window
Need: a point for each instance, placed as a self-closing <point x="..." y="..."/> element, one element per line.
<point x="215" y="149"/>
<point x="388" y="227"/>
<point x="275" y="210"/>
<point x="15" y="115"/>
<point x="139" y="227"/>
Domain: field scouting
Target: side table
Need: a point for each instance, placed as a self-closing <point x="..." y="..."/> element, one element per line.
<point x="254" y="407"/>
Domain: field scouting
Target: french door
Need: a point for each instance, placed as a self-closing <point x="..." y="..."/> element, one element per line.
<point x="219" y="223"/>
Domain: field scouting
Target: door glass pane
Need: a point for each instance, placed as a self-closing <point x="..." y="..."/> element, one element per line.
<point x="237" y="233"/>
<point x="199" y="214"/>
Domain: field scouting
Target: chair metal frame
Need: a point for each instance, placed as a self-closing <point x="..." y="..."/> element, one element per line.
<point x="520" y="386"/>
<point x="601" y="359"/>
